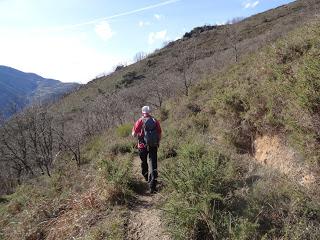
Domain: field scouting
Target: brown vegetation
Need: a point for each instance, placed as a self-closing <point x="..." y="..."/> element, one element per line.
<point x="214" y="129"/>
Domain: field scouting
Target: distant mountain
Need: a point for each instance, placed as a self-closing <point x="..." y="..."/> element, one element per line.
<point x="22" y="88"/>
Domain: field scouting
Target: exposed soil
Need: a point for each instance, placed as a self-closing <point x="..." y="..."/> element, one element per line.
<point x="144" y="218"/>
<point x="277" y="154"/>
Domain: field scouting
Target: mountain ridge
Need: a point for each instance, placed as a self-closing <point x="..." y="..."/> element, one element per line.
<point x="21" y="88"/>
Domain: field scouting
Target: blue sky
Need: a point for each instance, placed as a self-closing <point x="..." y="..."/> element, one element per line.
<point x="76" y="40"/>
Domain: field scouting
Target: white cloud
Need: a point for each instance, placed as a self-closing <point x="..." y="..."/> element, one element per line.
<point x="143" y="23"/>
<point x="103" y="30"/>
<point x="157" y="36"/>
<point x="158" y="16"/>
<point x="67" y="58"/>
<point x="218" y="23"/>
<point x="250" y="4"/>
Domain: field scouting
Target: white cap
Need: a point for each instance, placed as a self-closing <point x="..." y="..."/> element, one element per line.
<point x="146" y="109"/>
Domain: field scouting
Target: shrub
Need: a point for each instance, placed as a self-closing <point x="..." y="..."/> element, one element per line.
<point x="307" y="88"/>
<point x="167" y="151"/>
<point x="194" y="108"/>
<point x="221" y="203"/>
<point x="200" y="182"/>
<point x="164" y="114"/>
<point x="169" y="143"/>
<point x="128" y="79"/>
<point x="118" y="176"/>
<point x="201" y="122"/>
<point x="119" y="67"/>
<point x="124" y="130"/>
<point x="92" y="149"/>
<point x="197" y="30"/>
<point x="281" y="208"/>
<point x="288" y="51"/>
<point x="111" y="229"/>
<point x="121" y="148"/>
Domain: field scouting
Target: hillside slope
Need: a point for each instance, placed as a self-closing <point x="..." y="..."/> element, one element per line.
<point x="24" y="88"/>
<point x="201" y="52"/>
<point x="213" y="184"/>
<point x="236" y="148"/>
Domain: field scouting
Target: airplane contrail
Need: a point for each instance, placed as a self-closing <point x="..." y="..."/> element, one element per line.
<point x="118" y="15"/>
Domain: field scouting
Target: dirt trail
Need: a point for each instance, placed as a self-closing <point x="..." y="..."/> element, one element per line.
<point x="144" y="219"/>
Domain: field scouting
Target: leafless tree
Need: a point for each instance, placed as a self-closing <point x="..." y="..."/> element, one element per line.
<point x="185" y="66"/>
<point x="235" y="20"/>
<point x="14" y="147"/>
<point x="41" y="137"/>
<point x="139" y="56"/>
<point x="233" y="40"/>
<point x="69" y="137"/>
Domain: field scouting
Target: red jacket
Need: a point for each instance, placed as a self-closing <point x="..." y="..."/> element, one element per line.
<point x="137" y="130"/>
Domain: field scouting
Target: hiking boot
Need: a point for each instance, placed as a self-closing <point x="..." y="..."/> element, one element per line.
<point x="153" y="186"/>
<point x="146" y="177"/>
<point x="153" y="190"/>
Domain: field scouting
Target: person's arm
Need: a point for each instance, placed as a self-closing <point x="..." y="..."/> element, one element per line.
<point x="137" y="128"/>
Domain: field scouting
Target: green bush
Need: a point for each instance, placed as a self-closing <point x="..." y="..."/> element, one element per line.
<point x="200" y="181"/>
<point x="281" y="208"/>
<point x="124" y="130"/>
<point x="128" y="79"/>
<point x="118" y="175"/>
<point x="163" y="114"/>
<point x="92" y="149"/>
<point x="167" y="151"/>
<point x="201" y="122"/>
<point x="307" y="87"/>
<point x="121" y="148"/>
<point x="112" y="231"/>
<point x="221" y="202"/>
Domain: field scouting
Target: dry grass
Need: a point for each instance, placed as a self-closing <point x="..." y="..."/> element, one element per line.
<point x="73" y="203"/>
<point x="222" y="115"/>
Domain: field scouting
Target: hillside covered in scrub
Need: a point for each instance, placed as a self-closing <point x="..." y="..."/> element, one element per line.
<point x="239" y="158"/>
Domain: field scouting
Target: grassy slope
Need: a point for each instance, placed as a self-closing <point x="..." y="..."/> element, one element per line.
<point x="86" y="203"/>
<point x="213" y="50"/>
<point x="225" y="195"/>
<point x="206" y="158"/>
<point x="275" y="91"/>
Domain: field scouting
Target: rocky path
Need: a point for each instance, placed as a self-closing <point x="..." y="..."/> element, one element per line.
<point x="144" y="218"/>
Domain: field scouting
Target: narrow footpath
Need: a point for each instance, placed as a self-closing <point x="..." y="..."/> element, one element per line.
<point x="144" y="218"/>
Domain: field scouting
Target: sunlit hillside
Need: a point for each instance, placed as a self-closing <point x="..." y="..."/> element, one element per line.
<point x="239" y="106"/>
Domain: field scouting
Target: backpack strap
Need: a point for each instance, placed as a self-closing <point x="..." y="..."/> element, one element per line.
<point x="144" y="122"/>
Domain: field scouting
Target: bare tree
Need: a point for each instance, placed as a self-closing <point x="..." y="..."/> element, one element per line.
<point x="139" y="56"/>
<point x="233" y="40"/>
<point x="186" y="67"/>
<point x="41" y="137"/>
<point x="235" y="20"/>
<point x="69" y="137"/>
<point x="15" y="148"/>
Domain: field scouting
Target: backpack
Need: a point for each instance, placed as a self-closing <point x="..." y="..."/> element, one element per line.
<point x="151" y="136"/>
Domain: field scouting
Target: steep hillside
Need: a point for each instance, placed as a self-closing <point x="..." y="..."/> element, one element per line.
<point x="222" y="162"/>
<point x="201" y="52"/>
<point x="241" y="153"/>
<point x="24" y="88"/>
<point x="239" y="156"/>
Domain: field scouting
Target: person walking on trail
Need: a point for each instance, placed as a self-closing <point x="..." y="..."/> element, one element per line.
<point x="148" y="131"/>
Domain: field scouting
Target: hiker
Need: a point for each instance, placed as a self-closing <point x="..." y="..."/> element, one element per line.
<point x="148" y="131"/>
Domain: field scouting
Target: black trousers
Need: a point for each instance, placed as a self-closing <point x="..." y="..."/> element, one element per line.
<point x="149" y="169"/>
